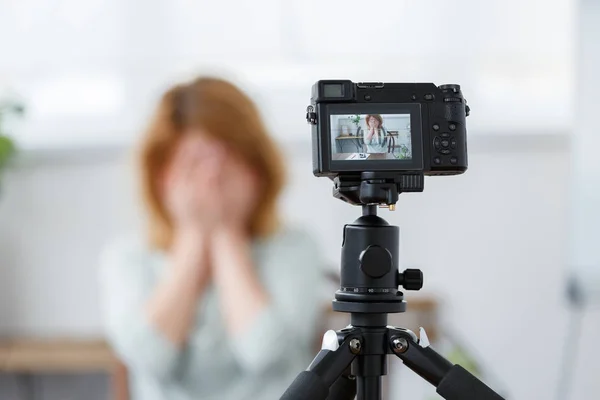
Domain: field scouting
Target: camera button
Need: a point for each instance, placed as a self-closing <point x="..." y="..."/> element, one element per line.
<point x="445" y="151"/>
<point x="445" y="135"/>
<point x="428" y="96"/>
<point x="452" y="127"/>
<point x="367" y="97"/>
<point x="453" y="160"/>
<point x="437" y="142"/>
<point x="453" y="143"/>
<point x="436" y="127"/>
<point x="437" y="160"/>
<point x="445" y="143"/>
<point x="450" y="86"/>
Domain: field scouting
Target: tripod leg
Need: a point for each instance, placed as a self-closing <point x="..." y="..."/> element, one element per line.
<point x="452" y="382"/>
<point x="326" y="369"/>
<point x="369" y="387"/>
<point x="344" y="388"/>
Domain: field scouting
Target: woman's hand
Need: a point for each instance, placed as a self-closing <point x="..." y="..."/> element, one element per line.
<point x="239" y="189"/>
<point x="192" y="185"/>
<point x="378" y="135"/>
<point x="241" y="294"/>
<point x="370" y="134"/>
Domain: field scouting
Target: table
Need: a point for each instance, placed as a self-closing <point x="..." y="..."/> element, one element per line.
<point x="26" y="357"/>
<point x="357" y="141"/>
<point x="374" y="156"/>
<point x="56" y="355"/>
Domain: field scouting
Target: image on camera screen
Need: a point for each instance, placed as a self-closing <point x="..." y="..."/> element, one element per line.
<point x="371" y="137"/>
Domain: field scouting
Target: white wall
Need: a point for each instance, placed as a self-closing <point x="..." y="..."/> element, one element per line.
<point x="55" y="215"/>
<point x="491" y="244"/>
<point x="586" y="163"/>
<point x="584" y="224"/>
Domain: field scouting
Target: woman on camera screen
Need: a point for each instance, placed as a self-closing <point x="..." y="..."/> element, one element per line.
<point x="375" y="135"/>
<point x="216" y="300"/>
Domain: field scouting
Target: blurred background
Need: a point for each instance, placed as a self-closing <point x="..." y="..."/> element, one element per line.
<point x="498" y="245"/>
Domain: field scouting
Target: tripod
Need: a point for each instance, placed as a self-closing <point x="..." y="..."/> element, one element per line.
<point x="354" y="359"/>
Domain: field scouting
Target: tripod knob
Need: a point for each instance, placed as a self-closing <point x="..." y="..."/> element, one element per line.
<point x="375" y="261"/>
<point x="411" y="279"/>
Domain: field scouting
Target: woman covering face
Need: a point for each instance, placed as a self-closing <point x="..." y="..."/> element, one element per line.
<point x="205" y="303"/>
<point x="375" y="135"/>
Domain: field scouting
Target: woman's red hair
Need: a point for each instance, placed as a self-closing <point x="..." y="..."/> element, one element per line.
<point x="227" y="114"/>
<point x="377" y="117"/>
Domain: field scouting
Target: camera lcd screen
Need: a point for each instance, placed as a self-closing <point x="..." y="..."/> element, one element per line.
<point x="369" y="137"/>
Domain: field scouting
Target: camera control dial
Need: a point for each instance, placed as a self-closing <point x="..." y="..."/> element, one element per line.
<point x="450" y="86"/>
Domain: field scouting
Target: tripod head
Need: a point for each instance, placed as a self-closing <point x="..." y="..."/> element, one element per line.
<point x="369" y="267"/>
<point x="353" y="361"/>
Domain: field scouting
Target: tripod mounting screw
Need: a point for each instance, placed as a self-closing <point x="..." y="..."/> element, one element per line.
<point x="355" y="346"/>
<point x="399" y="345"/>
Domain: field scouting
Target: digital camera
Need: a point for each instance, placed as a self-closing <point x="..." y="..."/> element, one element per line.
<point x="403" y="129"/>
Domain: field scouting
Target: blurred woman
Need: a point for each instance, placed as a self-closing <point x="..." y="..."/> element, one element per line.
<point x="218" y="301"/>
<point x="375" y="137"/>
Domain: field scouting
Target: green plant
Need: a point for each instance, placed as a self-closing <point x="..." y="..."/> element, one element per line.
<point x="7" y="149"/>
<point x="404" y="152"/>
<point x="7" y="146"/>
<point x="355" y="120"/>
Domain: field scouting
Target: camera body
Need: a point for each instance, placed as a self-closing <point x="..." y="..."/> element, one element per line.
<point x="402" y="130"/>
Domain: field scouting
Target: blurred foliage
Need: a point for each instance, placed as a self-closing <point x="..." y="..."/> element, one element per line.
<point x="7" y="149"/>
<point x="404" y="152"/>
<point x="7" y="146"/>
<point x="459" y="355"/>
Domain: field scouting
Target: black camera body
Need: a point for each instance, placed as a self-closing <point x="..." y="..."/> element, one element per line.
<point x="401" y="130"/>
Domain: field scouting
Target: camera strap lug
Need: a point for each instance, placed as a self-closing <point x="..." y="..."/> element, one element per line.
<point x="311" y="115"/>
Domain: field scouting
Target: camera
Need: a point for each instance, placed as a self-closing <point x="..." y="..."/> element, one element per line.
<point x="394" y="132"/>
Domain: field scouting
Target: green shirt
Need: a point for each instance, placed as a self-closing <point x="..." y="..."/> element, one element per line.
<point x="257" y="364"/>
